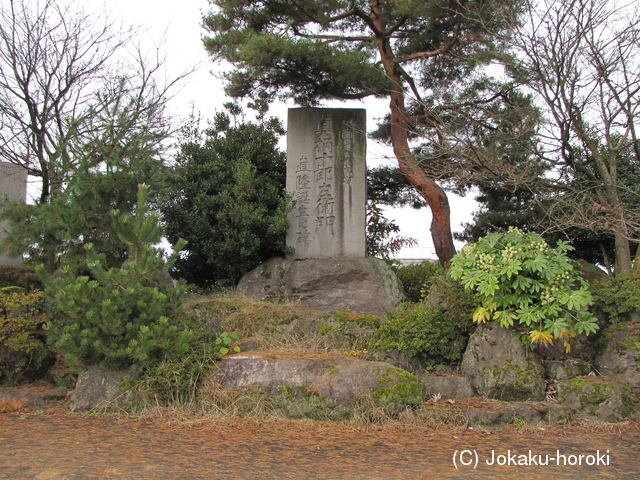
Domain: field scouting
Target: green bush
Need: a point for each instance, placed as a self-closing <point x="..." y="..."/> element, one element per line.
<point x="518" y="278"/>
<point x="227" y="198"/>
<point x="449" y="294"/>
<point x="352" y="331"/>
<point x="428" y="333"/>
<point x="176" y="378"/>
<point x="24" y="355"/>
<point x="617" y="296"/>
<point x="417" y="278"/>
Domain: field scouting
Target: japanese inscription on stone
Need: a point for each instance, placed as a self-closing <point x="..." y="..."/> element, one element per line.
<point x="326" y="173"/>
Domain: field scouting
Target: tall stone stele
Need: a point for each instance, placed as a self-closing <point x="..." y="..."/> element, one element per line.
<point x="13" y="187"/>
<point x="326" y="173"/>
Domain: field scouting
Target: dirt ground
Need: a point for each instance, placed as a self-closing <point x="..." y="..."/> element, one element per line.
<point x="54" y="444"/>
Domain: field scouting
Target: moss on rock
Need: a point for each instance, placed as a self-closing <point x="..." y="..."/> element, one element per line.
<point x="599" y="398"/>
<point x="514" y="383"/>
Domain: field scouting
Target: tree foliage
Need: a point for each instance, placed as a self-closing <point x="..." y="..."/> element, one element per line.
<point x="81" y="114"/>
<point x="105" y="179"/>
<point x="382" y="235"/>
<point x="227" y="199"/>
<point x="61" y="83"/>
<point x="353" y="50"/>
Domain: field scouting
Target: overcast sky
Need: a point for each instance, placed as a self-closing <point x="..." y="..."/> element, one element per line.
<point x="174" y="26"/>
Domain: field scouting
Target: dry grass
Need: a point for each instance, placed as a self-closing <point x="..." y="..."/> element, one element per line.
<point x="10" y="405"/>
<point x="283" y="327"/>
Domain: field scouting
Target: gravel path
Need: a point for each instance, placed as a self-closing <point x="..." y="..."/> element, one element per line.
<point x="64" y="446"/>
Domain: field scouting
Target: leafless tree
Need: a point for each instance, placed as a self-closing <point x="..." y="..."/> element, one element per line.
<point x="582" y="60"/>
<point x="64" y="83"/>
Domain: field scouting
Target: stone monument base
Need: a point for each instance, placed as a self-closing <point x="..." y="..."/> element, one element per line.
<point x="350" y="283"/>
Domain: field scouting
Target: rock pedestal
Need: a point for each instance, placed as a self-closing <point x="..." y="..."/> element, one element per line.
<point x="101" y="389"/>
<point x="620" y="353"/>
<point x="358" y="284"/>
<point x="341" y="379"/>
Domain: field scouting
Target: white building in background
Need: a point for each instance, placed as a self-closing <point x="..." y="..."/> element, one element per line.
<point x="13" y="187"/>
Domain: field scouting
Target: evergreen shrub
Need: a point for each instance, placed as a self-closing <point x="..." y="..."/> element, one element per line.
<point x="24" y="355"/>
<point x="428" y="333"/>
<point x="617" y="296"/>
<point x="417" y="278"/>
<point x="121" y="317"/>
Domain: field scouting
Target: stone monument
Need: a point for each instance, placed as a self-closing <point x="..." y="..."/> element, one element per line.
<point x="326" y="173"/>
<point x="13" y="187"/>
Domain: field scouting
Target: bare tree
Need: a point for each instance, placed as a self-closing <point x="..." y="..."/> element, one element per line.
<point x="63" y="83"/>
<point x="582" y="59"/>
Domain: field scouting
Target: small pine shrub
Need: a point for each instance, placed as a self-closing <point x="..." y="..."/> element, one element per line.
<point x="418" y="277"/>
<point x="24" y="355"/>
<point x="121" y="317"/>
<point x="176" y="378"/>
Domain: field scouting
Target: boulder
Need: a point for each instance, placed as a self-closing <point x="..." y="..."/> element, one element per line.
<point x="343" y="380"/>
<point x="101" y="389"/>
<point x="601" y="399"/>
<point x="350" y="283"/>
<point x="620" y="352"/>
<point x="500" y="367"/>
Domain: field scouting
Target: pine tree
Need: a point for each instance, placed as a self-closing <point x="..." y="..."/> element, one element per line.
<point x="121" y="316"/>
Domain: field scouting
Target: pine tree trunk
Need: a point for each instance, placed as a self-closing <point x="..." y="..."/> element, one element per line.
<point x="424" y="185"/>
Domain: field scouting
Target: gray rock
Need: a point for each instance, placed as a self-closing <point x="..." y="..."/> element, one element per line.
<point x="566" y="369"/>
<point x="619" y="355"/>
<point x="343" y="380"/>
<point x="165" y="280"/>
<point x="358" y="284"/>
<point x="448" y="386"/>
<point x="495" y="414"/>
<point x="602" y="399"/>
<point x="500" y="367"/>
<point x="101" y="389"/>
